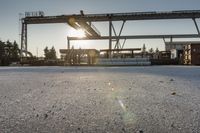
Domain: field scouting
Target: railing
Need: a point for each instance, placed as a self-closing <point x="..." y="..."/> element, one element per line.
<point x="34" y="14"/>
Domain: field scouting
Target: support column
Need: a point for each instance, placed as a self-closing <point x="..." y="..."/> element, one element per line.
<point x="22" y="41"/>
<point x="132" y="54"/>
<point x="110" y="38"/>
<point x="196" y="25"/>
<point x="123" y="44"/>
<point x="68" y="43"/>
<point x="171" y="39"/>
<point x="164" y="40"/>
<point x="26" y="43"/>
<point x="117" y="42"/>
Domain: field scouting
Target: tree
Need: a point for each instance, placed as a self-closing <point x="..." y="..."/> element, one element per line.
<point x="157" y="50"/>
<point x="9" y="52"/>
<point x="46" y="51"/>
<point x="151" y="50"/>
<point x="144" y="48"/>
<point x="2" y="51"/>
<point x="50" y="54"/>
<point x="9" y="48"/>
<point x="15" y="52"/>
<point x="53" y="53"/>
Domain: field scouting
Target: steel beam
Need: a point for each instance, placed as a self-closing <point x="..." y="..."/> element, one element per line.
<point x="22" y="40"/>
<point x="138" y="37"/>
<point x="110" y="37"/>
<point x="127" y="49"/>
<point x="184" y="14"/>
<point x="120" y="32"/>
<point x="26" y="40"/>
<point x="196" y="25"/>
<point x="68" y="43"/>
<point x="123" y="44"/>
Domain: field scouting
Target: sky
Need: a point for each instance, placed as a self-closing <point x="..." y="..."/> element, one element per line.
<point x="40" y="36"/>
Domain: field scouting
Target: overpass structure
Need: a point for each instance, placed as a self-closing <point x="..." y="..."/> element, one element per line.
<point x="84" y="21"/>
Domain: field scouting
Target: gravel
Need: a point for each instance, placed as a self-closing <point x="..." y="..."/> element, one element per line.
<point x="100" y="99"/>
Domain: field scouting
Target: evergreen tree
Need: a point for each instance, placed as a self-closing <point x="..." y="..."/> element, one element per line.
<point x="50" y="54"/>
<point x="53" y="53"/>
<point x="9" y="52"/>
<point x="15" y="52"/>
<point x="151" y="50"/>
<point x="144" y="48"/>
<point x="9" y="48"/>
<point x="2" y="51"/>
<point x="157" y="50"/>
<point x="46" y="51"/>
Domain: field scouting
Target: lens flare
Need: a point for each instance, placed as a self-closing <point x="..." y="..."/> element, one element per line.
<point x="77" y="33"/>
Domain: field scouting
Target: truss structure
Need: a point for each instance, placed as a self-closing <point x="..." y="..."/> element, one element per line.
<point x="84" y="21"/>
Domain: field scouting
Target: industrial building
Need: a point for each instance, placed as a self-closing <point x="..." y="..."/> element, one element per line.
<point x="176" y="48"/>
<point x="191" y="54"/>
<point x="182" y="52"/>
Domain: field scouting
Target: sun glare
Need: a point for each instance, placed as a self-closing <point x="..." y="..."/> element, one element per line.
<point x="77" y="33"/>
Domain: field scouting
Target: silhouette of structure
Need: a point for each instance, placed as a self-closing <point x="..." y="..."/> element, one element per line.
<point x="85" y="21"/>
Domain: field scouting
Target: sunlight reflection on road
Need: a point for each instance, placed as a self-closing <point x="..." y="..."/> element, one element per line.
<point x="127" y="116"/>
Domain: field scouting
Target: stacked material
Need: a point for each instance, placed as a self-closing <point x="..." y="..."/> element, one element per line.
<point x="125" y="62"/>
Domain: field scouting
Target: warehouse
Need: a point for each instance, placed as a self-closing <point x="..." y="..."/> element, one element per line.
<point x="191" y="54"/>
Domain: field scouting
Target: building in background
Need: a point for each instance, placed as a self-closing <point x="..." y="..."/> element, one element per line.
<point x="79" y="56"/>
<point x="176" y="48"/>
<point x="191" y="54"/>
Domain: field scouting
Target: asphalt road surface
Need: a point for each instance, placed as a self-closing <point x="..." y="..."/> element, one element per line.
<point x="150" y="99"/>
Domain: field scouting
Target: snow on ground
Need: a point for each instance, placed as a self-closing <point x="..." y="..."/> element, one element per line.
<point x="100" y="99"/>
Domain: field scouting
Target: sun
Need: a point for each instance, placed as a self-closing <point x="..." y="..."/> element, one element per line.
<point x="77" y="33"/>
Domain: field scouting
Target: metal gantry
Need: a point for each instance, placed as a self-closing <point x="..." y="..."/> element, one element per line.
<point x="24" y="43"/>
<point x="84" y="21"/>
